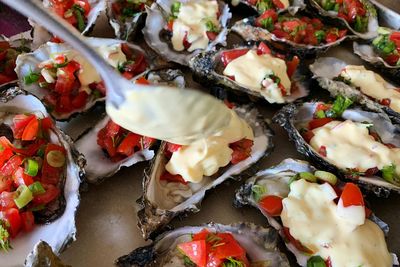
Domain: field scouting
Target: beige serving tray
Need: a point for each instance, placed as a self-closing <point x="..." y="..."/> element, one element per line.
<point x="106" y="219"/>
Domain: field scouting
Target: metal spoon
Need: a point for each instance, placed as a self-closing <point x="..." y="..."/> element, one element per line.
<point x="171" y="114"/>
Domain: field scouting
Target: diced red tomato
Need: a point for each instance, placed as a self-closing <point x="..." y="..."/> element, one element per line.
<point x="292" y="66"/>
<point x="80" y="100"/>
<point x="331" y="37"/>
<point x="64" y="104"/>
<point x="84" y="4"/>
<point x="231" y="248"/>
<point x="11" y="165"/>
<point x="319" y="122"/>
<point x="51" y="194"/>
<point x="392" y="59"/>
<point x="308" y="135"/>
<point x="166" y="176"/>
<point x="31" y="149"/>
<point x="21" y="178"/>
<point x="173" y="147"/>
<point x="196" y="251"/>
<point x="128" y="145"/>
<point x="263" y="49"/>
<point x="241" y="150"/>
<point x="322" y="151"/>
<point x="202" y="235"/>
<point x="186" y="43"/>
<point x="352" y="196"/>
<point x="31" y="130"/>
<point x="28" y="221"/>
<point x="272" y="205"/>
<point x="5" y="155"/>
<point x="211" y="35"/>
<point x="142" y="80"/>
<point x="47" y="124"/>
<point x="228" y="56"/>
<point x="19" y="123"/>
<point x="170" y="25"/>
<point x="13" y="218"/>
<point x="278" y="4"/>
<point x="7" y="200"/>
<point x="270" y="13"/>
<point x="147" y="142"/>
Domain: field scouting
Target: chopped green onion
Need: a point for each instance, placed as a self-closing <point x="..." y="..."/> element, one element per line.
<point x="378" y="40"/>
<point x="340" y="105"/>
<point x="267" y="24"/>
<point x="231" y="262"/>
<point x="320" y="114"/>
<point x="32" y="77"/>
<point x="40" y="152"/>
<point x="383" y="30"/>
<point x="263" y="5"/>
<point x="4" y="236"/>
<point x="23" y="197"/>
<point x="390" y="175"/>
<point x="316" y="261"/>
<point x="37" y="188"/>
<point x="188" y="262"/>
<point x="55" y="158"/>
<point x="361" y="24"/>
<point x="31" y="167"/>
<point x="258" y="191"/>
<point x="78" y="11"/>
<point x="293" y="178"/>
<point x="308" y="176"/>
<point x="326" y="177"/>
<point x="211" y="27"/>
<point x="336" y="8"/>
<point x="320" y="35"/>
<point x="175" y="9"/>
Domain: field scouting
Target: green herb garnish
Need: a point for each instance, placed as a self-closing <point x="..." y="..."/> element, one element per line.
<point x="231" y="262"/>
<point x="32" y="77"/>
<point x="258" y="191"/>
<point x="4" y="236"/>
<point x="316" y="261"/>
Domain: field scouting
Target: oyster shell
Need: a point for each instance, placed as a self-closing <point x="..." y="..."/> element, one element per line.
<point x="28" y="63"/>
<point x="260" y="244"/>
<point x="294" y="6"/>
<point x="292" y="116"/>
<point x="126" y="28"/>
<point x="367" y="53"/>
<point x="277" y="179"/>
<point x="372" y="27"/>
<point x="59" y="219"/>
<point x="207" y="69"/>
<point x="249" y="32"/>
<point x="99" y="166"/>
<point x="161" y="203"/>
<point x="325" y="69"/>
<point x="156" y="21"/>
<point x="41" y="35"/>
<point x="20" y="43"/>
<point x="43" y="256"/>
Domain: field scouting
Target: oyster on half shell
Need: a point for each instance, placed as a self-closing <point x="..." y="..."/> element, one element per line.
<point x="260" y="244"/>
<point x="326" y="70"/>
<point x="29" y="63"/>
<point x="41" y="35"/>
<point x="295" y="117"/>
<point x="126" y="23"/>
<point x="99" y="165"/>
<point x="248" y="30"/>
<point x="208" y="70"/>
<point x="57" y="221"/>
<point x="162" y="201"/>
<point x="156" y="37"/>
<point x="367" y="52"/>
<point x="371" y="14"/>
<point x="262" y="5"/>
<point x="275" y="181"/>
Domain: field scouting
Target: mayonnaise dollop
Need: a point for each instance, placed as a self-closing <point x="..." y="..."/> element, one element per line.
<point x="205" y="156"/>
<point x="251" y="69"/>
<point x="349" y="145"/>
<point x="372" y="85"/>
<point x="312" y="217"/>
<point x="191" y="22"/>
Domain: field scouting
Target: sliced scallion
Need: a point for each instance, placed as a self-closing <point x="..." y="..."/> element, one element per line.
<point x="316" y="261"/>
<point x="23" y="196"/>
<point x="55" y="158"/>
<point x="31" y="167"/>
<point x="37" y="188"/>
<point x="326" y="177"/>
<point x="308" y="176"/>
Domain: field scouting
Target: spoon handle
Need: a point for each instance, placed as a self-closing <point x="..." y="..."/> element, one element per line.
<point x="33" y="9"/>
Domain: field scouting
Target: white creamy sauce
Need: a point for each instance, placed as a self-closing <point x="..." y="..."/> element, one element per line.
<point x="372" y="84"/>
<point x="88" y="74"/>
<point x="251" y="69"/>
<point x="191" y="22"/>
<point x="205" y="156"/>
<point x="349" y="145"/>
<point x="311" y="215"/>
